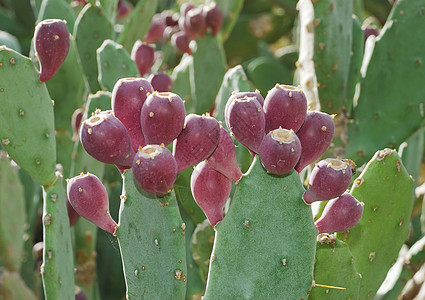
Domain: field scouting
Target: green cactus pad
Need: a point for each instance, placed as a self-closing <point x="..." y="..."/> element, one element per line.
<point x="230" y="9"/>
<point x="181" y="81"/>
<point x="332" y="47"/>
<point x="12" y="287"/>
<point x="26" y="117"/>
<point x="12" y="215"/>
<point x="113" y="63"/>
<point x="391" y="99"/>
<point x="57" y="270"/>
<point x="151" y="236"/>
<point x="386" y="189"/>
<point x="92" y="27"/>
<point x="110" y="9"/>
<point x="138" y="23"/>
<point x="9" y="41"/>
<point x="57" y="9"/>
<point x="334" y="267"/>
<point x="265" y="246"/>
<point x="202" y="244"/>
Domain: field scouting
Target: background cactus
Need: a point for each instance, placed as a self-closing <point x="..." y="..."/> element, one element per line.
<point x="266" y="245"/>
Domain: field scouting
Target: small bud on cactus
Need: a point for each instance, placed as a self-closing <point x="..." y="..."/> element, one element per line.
<point x="144" y="56"/>
<point x="197" y="141"/>
<point x="180" y="41"/>
<point x="210" y="189"/>
<point x="89" y="198"/>
<point x="51" y="43"/>
<point x="223" y="158"/>
<point x="214" y="17"/>
<point x="315" y="135"/>
<point x="105" y="138"/>
<point x="196" y="21"/>
<point x="329" y="179"/>
<point x="340" y="214"/>
<point x="156" y="29"/>
<point x="285" y="106"/>
<point x="155" y="170"/>
<point x="128" y="97"/>
<point x="245" y="119"/>
<point x="161" y="82"/>
<point x="280" y="151"/>
<point x="162" y="118"/>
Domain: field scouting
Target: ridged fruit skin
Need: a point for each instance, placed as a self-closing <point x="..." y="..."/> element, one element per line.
<point x="105" y="138"/>
<point x="144" y="56"/>
<point x="340" y="214"/>
<point x="155" y="170"/>
<point x="210" y="189"/>
<point x="156" y="29"/>
<point x="195" y="21"/>
<point x="315" y="136"/>
<point x="51" y="44"/>
<point x="329" y="179"/>
<point x="214" y="17"/>
<point x="162" y="118"/>
<point x="246" y="121"/>
<point x="285" y="106"/>
<point x="161" y="82"/>
<point x="223" y="158"/>
<point x="89" y="198"/>
<point x="128" y="97"/>
<point x="197" y="141"/>
<point x="180" y="41"/>
<point x="280" y="151"/>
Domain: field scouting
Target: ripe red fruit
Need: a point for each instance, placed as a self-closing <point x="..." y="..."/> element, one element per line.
<point x="210" y="189"/>
<point x="144" y="56"/>
<point x="180" y="41"/>
<point x="214" y="17"/>
<point x="155" y="170"/>
<point x="285" y="106"/>
<point x="195" y="21"/>
<point x="340" y="214"/>
<point x="280" y="151"/>
<point x="161" y="82"/>
<point x="329" y="179"/>
<point x="128" y="97"/>
<point x="156" y="29"/>
<point x="72" y="214"/>
<point x="162" y="118"/>
<point x="89" y="198"/>
<point x="197" y="141"/>
<point x="315" y="135"/>
<point x="51" y="43"/>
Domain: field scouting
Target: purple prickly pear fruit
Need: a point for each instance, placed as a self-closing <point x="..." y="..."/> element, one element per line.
<point x="123" y="9"/>
<point x="51" y="43"/>
<point x="370" y="30"/>
<point x="156" y="29"/>
<point x="89" y="198"/>
<point x="214" y="17"/>
<point x="180" y="41"/>
<point x="144" y="56"/>
<point x="329" y="179"/>
<point x="340" y="214"/>
<point x="128" y="97"/>
<point x="105" y="138"/>
<point x="162" y="118"/>
<point x="280" y="151"/>
<point x="285" y="106"/>
<point x="72" y="214"/>
<point x="210" y="189"/>
<point x="223" y="158"/>
<point x="161" y="82"/>
<point x="79" y="294"/>
<point x="77" y="117"/>
<point x="170" y="19"/>
<point x="195" y="21"/>
<point x="185" y="7"/>
<point x="197" y="141"/>
<point x="246" y="121"/>
<point x="155" y="170"/>
<point x="315" y="135"/>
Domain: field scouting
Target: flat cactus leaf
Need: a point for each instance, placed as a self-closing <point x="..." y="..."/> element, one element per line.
<point x="138" y="23"/>
<point x="26" y="118"/>
<point x="57" y="9"/>
<point x="202" y="244"/>
<point x="411" y="153"/>
<point x="265" y="246"/>
<point x="113" y="63"/>
<point x="334" y="266"/>
<point x="386" y="189"/>
<point x="209" y="66"/>
<point x="57" y="270"/>
<point x="181" y="81"/>
<point x="332" y="48"/>
<point x="152" y="244"/>
<point x="391" y="96"/>
<point x="234" y="80"/>
<point x="91" y="28"/>
<point x="230" y="9"/>
<point x="110" y="9"/>
<point x="12" y="214"/>
<point x="13" y="287"/>
<point x="9" y="41"/>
